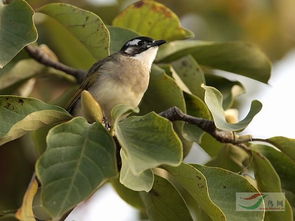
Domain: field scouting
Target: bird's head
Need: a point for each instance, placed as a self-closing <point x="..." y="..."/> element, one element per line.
<point x="142" y="48"/>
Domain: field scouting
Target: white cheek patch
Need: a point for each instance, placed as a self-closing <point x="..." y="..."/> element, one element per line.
<point x="129" y="50"/>
<point x="134" y="42"/>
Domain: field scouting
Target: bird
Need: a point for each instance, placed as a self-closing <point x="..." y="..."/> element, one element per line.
<point x="121" y="78"/>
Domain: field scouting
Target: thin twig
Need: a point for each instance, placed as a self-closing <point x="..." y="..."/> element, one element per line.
<point x="175" y="114"/>
<point x="261" y="140"/>
<point x="37" y="53"/>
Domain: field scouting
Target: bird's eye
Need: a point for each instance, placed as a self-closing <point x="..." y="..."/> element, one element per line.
<point x="140" y="43"/>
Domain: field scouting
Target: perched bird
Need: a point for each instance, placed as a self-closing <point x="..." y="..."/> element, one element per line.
<point x="121" y="78"/>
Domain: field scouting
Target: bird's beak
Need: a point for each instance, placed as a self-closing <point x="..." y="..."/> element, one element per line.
<point x="158" y="42"/>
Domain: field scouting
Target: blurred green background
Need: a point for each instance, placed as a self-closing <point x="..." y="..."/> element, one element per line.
<point x="270" y="24"/>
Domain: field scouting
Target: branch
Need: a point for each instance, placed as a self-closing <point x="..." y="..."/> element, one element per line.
<point x="175" y="114"/>
<point x="39" y="55"/>
<point x="172" y="114"/>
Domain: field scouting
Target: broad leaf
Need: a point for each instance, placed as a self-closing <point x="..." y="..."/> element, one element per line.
<point x="20" y="72"/>
<point x="163" y="89"/>
<point x="25" y="213"/>
<point x="152" y="19"/>
<point x="17" y="29"/>
<point x="214" y="98"/>
<point x="79" y="157"/>
<point x="19" y="115"/>
<point x="230" y="157"/>
<point x="138" y="182"/>
<point x="148" y="141"/>
<point x="195" y="184"/>
<point x="191" y="74"/>
<point x="211" y="145"/>
<point x="269" y="181"/>
<point x="229" y="89"/>
<point x="129" y="196"/>
<point x="121" y="111"/>
<point x="164" y="202"/>
<point x="119" y="36"/>
<point x="223" y="186"/>
<point x="286" y="145"/>
<point x="284" y="167"/>
<point x="237" y="57"/>
<point x="195" y="107"/>
<point x="86" y="27"/>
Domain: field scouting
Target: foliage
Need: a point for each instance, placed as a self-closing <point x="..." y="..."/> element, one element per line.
<point x="142" y="154"/>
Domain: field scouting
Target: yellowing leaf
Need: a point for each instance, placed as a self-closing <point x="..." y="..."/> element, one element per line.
<point x="152" y="19"/>
<point x="25" y="213"/>
<point x="19" y="115"/>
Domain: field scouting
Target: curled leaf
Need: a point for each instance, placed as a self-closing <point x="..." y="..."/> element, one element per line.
<point x="142" y="181"/>
<point x="214" y="99"/>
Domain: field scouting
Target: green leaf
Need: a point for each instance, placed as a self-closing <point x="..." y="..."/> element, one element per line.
<point x="269" y="181"/>
<point x="121" y="111"/>
<point x="229" y="89"/>
<point x="164" y="202"/>
<point x="86" y="27"/>
<point x="79" y="157"/>
<point x="138" y="182"/>
<point x="191" y="74"/>
<point x="230" y="157"/>
<point x="152" y="19"/>
<point x="19" y="115"/>
<point x="284" y="167"/>
<point x="237" y="57"/>
<point x="128" y="195"/>
<point x="195" y="183"/>
<point x="148" y="141"/>
<point x="195" y="107"/>
<point x="214" y="98"/>
<point x="286" y="145"/>
<point x="21" y="71"/>
<point x="223" y="186"/>
<point x="17" y="29"/>
<point x="211" y="145"/>
<point x="162" y="89"/>
<point x="119" y="36"/>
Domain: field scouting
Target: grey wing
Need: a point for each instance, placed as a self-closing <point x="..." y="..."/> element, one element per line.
<point x="88" y="81"/>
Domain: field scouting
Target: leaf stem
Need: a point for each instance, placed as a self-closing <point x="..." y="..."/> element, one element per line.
<point x="39" y="55"/>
